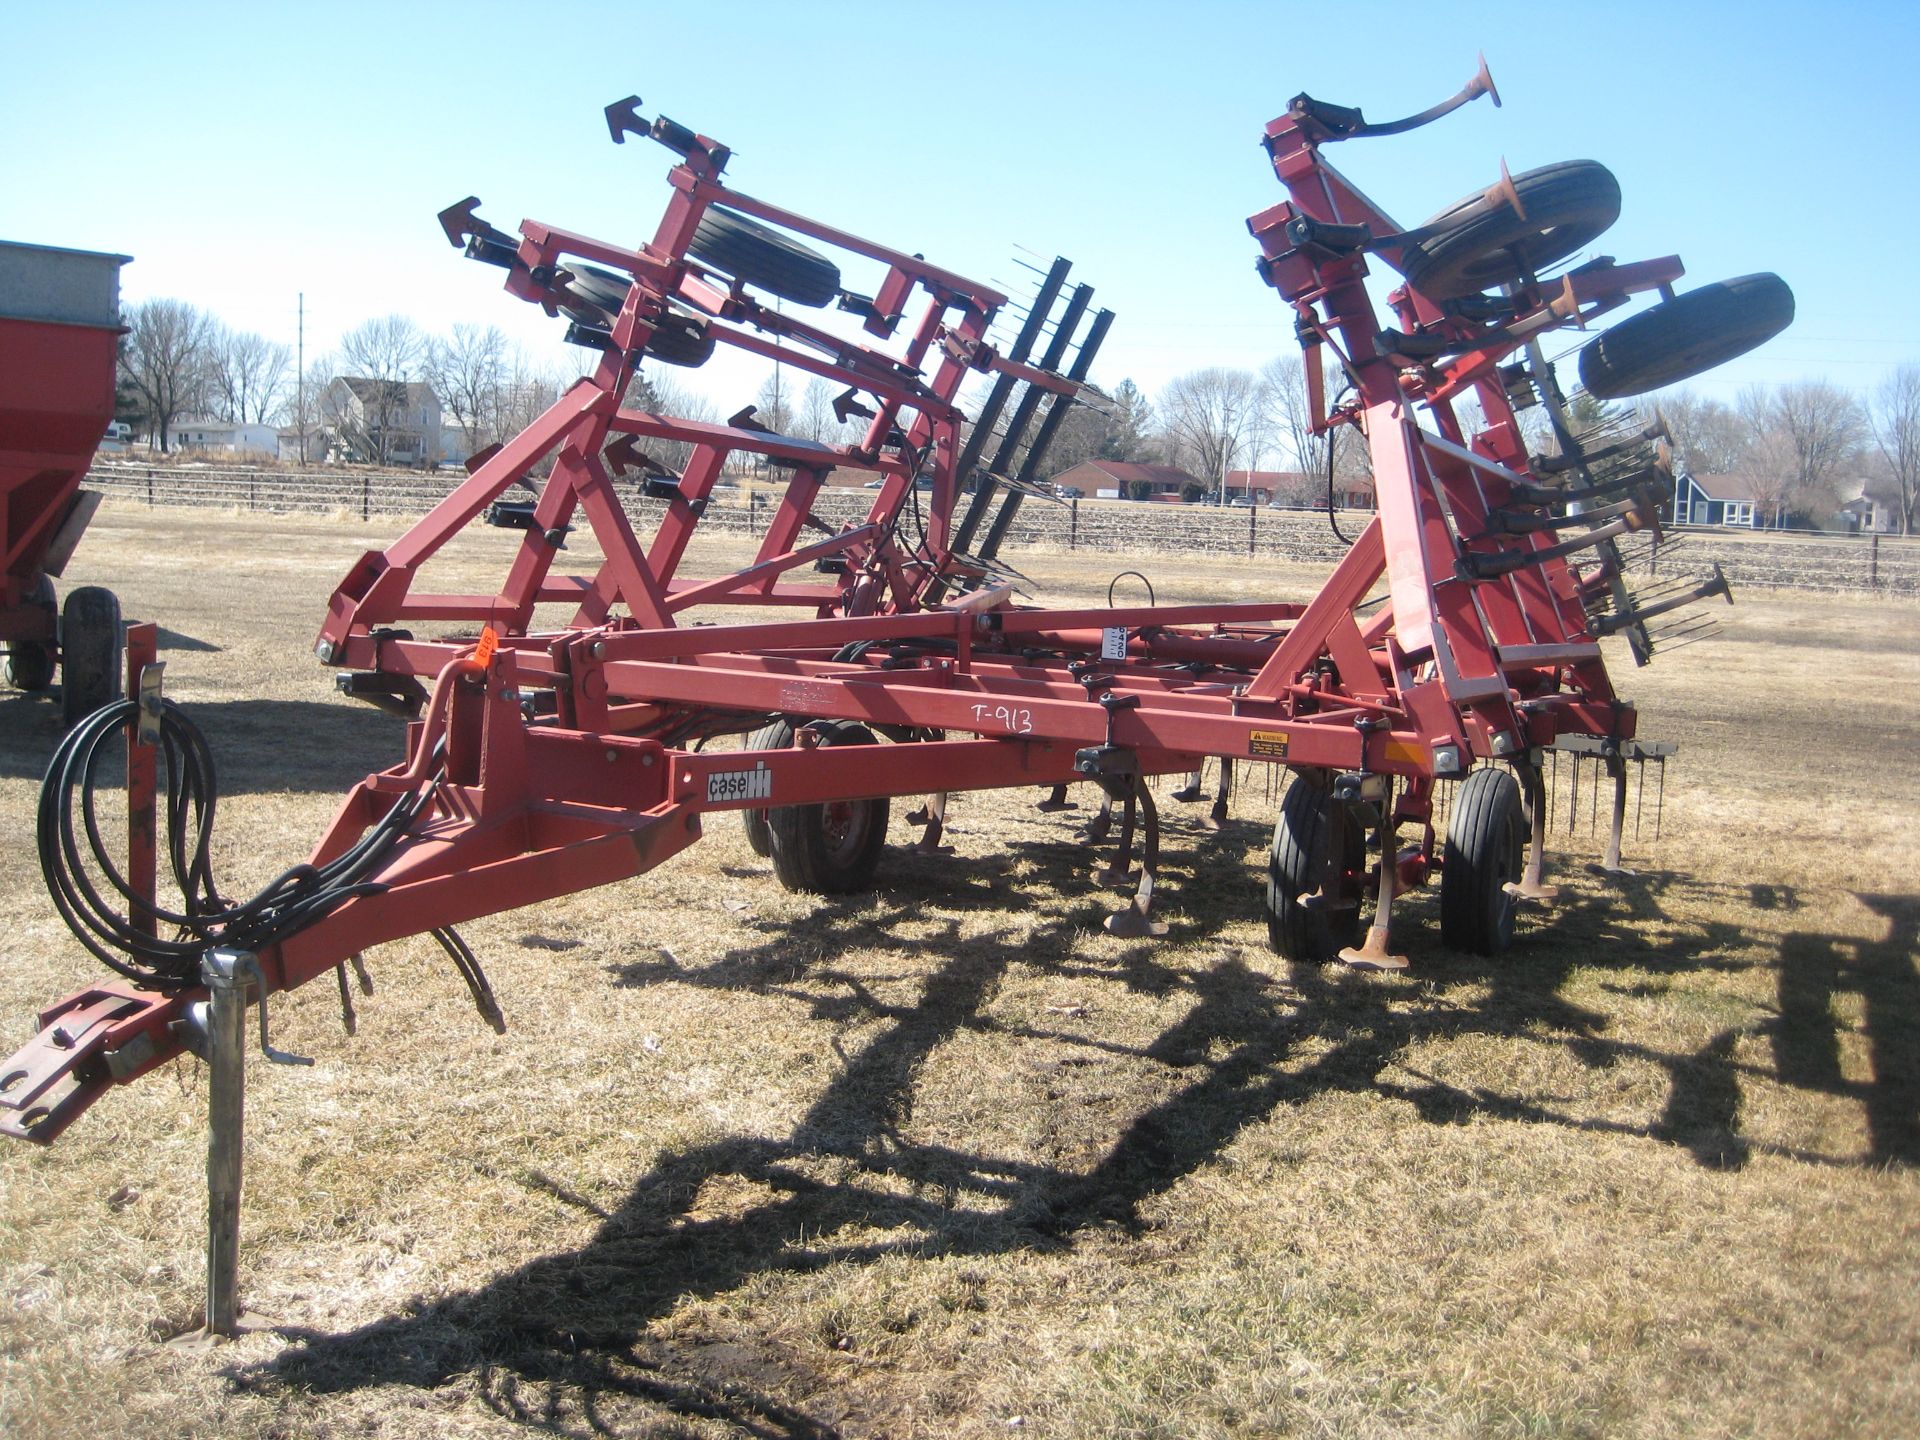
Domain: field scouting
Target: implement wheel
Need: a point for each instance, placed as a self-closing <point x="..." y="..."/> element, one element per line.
<point x="91" y="653"/>
<point x="1483" y="243"/>
<point x="1679" y="338"/>
<point x="764" y="258"/>
<point x="30" y="662"/>
<point x="1319" y="851"/>
<point x="1485" y="853"/>
<point x="594" y="297"/>
<point x="775" y="735"/>
<point x="831" y="848"/>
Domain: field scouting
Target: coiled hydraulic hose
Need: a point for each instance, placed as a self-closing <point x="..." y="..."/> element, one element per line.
<point x="115" y="931"/>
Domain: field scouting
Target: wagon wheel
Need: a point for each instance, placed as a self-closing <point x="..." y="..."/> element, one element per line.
<point x="764" y="258"/>
<point x="1481" y="242"/>
<point x="832" y="848"/>
<point x="1318" y="847"/>
<point x="1485" y="853"/>
<point x="90" y="653"/>
<point x="30" y="662"/>
<point x="776" y="735"/>
<point x="595" y="296"/>
<point x="1681" y="337"/>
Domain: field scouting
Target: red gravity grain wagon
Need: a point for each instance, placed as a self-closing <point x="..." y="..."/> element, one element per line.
<point x="59" y="337"/>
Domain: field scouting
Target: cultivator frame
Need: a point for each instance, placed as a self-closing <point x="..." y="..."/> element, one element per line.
<point x="1462" y="627"/>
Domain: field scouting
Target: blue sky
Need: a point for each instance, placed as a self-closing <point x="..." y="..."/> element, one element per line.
<point x="244" y="154"/>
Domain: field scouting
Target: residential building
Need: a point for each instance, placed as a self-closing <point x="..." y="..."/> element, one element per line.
<point x="381" y="422"/>
<point x="1870" y="506"/>
<point x="1718" y="500"/>
<point x="225" y="437"/>
<point x="1125" y="480"/>
<point x="1299" y="488"/>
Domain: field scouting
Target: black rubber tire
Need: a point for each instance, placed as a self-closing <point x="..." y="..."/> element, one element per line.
<point x="92" y="653"/>
<point x="30" y="662"/>
<point x="830" y="849"/>
<point x="764" y="258"/>
<point x="1682" y="337"/>
<point x="594" y="297"/>
<point x="1308" y="823"/>
<point x="1485" y="244"/>
<point x="775" y="735"/>
<point x="1485" y="852"/>
<point x="681" y="340"/>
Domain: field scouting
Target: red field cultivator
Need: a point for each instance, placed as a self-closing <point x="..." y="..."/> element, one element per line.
<point x="575" y="729"/>
<point x="59" y="331"/>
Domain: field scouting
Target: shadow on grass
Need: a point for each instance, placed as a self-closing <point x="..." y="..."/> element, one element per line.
<point x="259" y="746"/>
<point x="1816" y="970"/>
<point x="563" y="1344"/>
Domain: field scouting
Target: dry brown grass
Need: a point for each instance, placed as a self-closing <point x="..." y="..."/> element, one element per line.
<point x="950" y="1160"/>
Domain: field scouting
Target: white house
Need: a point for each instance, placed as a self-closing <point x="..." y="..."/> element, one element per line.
<point x="1870" y="506"/>
<point x="225" y="437"/>
<point x="382" y="422"/>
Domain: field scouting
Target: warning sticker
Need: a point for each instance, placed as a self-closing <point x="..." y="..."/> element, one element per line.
<point x="1271" y="744"/>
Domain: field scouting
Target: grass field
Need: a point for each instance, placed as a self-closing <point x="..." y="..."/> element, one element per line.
<point x="948" y="1160"/>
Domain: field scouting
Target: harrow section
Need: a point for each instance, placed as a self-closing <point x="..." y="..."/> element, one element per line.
<point x="1459" y="639"/>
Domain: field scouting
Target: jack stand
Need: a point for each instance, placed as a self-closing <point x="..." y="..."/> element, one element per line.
<point x="1190" y="791"/>
<point x="1374" y="954"/>
<point x="223" y="971"/>
<point x="1056" y="800"/>
<point x="1532" y="885"/>
<point x="1617" y="769"/>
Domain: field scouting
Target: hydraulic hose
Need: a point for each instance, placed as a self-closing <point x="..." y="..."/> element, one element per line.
<point x="98" y="902"/>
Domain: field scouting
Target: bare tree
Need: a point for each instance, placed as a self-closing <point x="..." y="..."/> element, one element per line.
<point x="386" y="354"/>
<point x="1767" y="460"/>
<point x="1896" y="432"/>
<point x="1709" y="438"/>
<point x="773" y="406"/>
<point x="304" y="408"/>
<point x="248" y="374"/>
<point x="165" y="360"/>
<point x="1824" y="425"/>
<point x="816" y="420"/>
<point x="1287" y="410"/>
<point x="1211" y="417"/>
<point x="466" y="372"/>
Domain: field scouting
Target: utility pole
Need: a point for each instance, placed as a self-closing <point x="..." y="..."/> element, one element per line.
<point x="300" y="378"/>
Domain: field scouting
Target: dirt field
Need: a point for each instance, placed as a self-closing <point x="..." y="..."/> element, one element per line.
<point x="948" y="1160"/>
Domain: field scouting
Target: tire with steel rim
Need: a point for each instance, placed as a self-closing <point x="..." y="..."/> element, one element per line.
<point x="764" y="258"/>
<point x="1485" y="852"/>
<point x="30" y="662"/>
<point x="1316" y="842"/>
<point x="92" y="653"/>
<point x="834" y="847"/>
<point x="1685" y="336"/>
<point x="1482" y="242"/>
